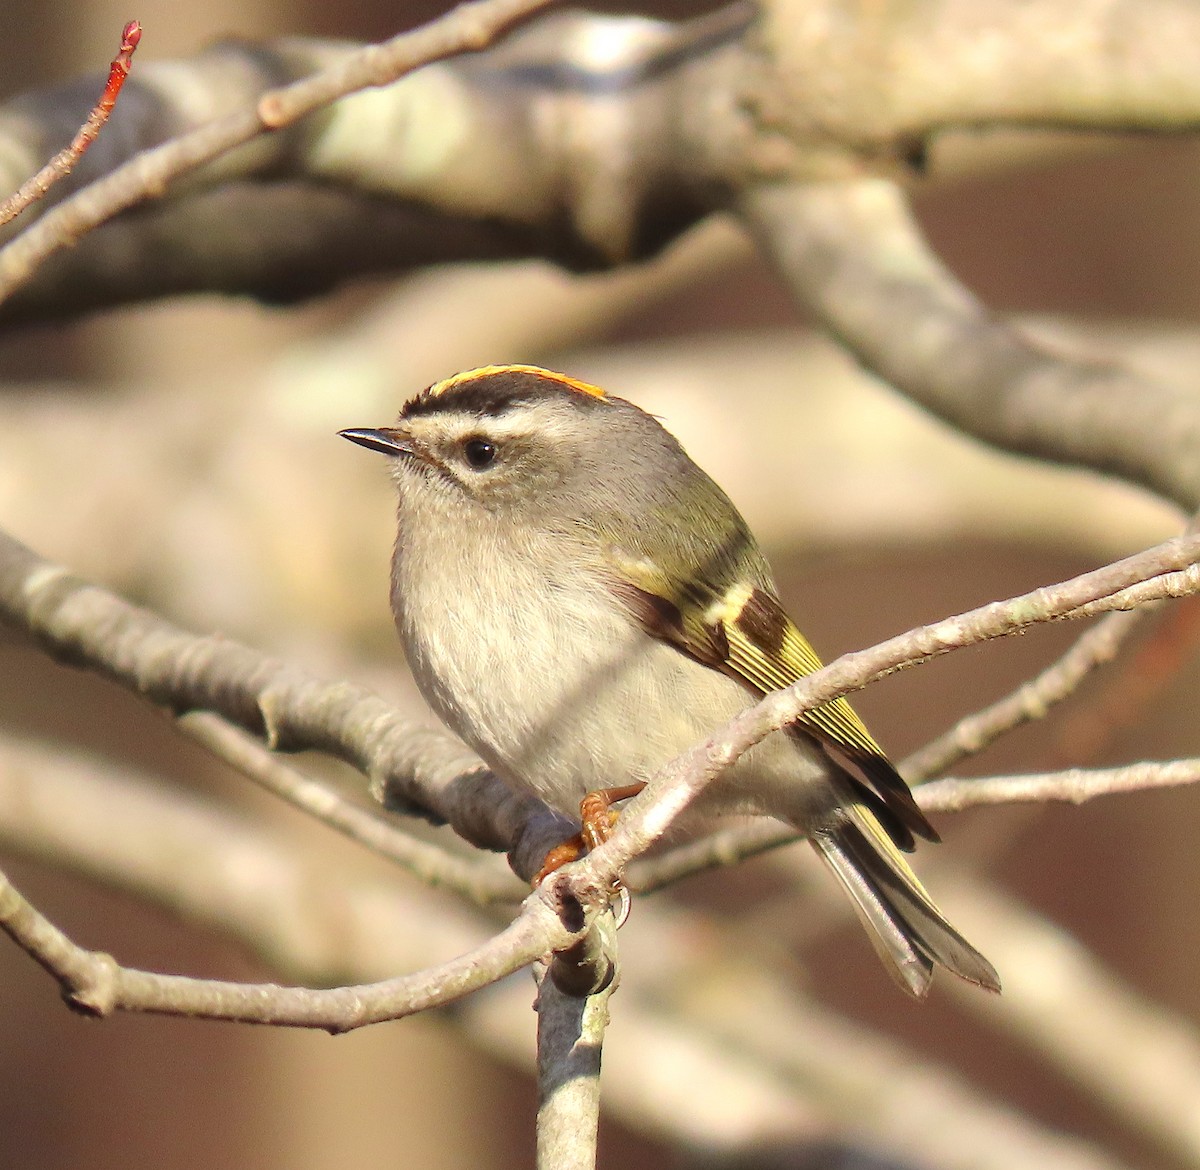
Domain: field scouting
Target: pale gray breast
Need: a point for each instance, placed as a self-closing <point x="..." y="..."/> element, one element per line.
<point x="543" y="673"/>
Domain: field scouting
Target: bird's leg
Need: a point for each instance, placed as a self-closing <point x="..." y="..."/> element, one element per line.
<point x="597" y="816"/>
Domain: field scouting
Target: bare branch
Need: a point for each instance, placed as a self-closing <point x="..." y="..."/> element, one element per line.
<point x="85" y="625"/>
<point x="1072" y="786"/>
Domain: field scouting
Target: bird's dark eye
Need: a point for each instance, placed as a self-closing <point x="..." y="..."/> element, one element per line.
<point x="479" y="453"/>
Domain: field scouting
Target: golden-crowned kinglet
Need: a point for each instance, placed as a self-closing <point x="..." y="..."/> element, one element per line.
<point x="581" y="603"/>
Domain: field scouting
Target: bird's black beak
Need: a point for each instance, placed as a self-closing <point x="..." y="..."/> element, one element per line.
<point x="387" y="440"/>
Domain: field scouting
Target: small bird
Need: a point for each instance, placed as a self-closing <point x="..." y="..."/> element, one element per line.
<point x="581" y="603"/>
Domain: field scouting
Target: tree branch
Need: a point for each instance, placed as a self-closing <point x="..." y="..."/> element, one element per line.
<point x="588" y="139"/>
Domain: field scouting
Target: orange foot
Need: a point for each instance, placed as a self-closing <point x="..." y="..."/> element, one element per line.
<point x="597" y="817"/>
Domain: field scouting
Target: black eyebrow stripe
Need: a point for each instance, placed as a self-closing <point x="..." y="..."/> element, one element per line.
<point x="470" y="398"/>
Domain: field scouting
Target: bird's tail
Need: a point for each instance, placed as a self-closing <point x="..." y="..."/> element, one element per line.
<point x="908" y="931"/>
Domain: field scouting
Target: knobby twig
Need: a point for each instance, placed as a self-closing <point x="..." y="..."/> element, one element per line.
<point x="64" y="162"/>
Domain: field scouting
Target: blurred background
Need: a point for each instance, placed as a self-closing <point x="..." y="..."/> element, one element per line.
<point x="185" y="455"/>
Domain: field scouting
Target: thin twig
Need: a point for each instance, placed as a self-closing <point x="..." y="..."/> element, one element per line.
<point x="1073" y="785"/>
<point x="64" y="162"/>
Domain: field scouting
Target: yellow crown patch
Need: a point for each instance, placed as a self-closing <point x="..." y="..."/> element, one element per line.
<point x="439" y="388"/>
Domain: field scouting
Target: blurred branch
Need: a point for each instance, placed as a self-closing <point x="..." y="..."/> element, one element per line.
<point x="879" y="77"/>
<point x="470" y="26"/>
<point x="591" y="140"/>
<point x="585" y="139"/>
<point x="1142" y="1061"/>
<point x="853" y="255"/>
